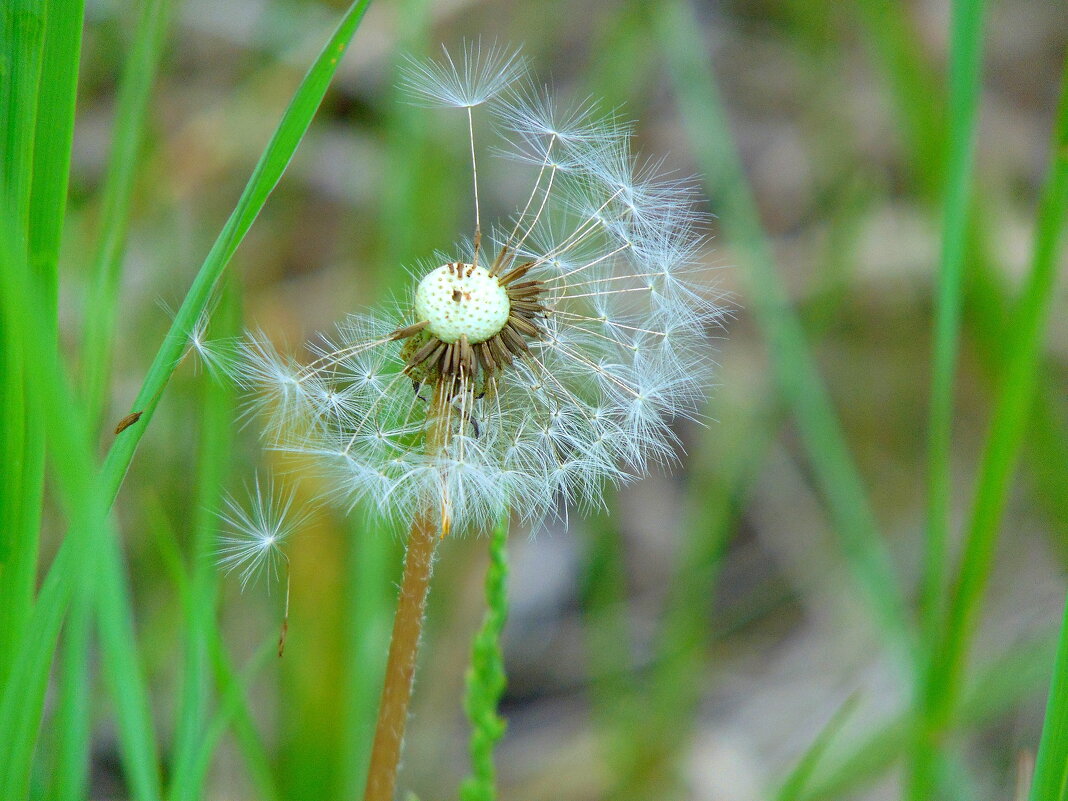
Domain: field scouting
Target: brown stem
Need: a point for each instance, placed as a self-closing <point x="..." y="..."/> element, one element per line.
<point x="400" y="668"/>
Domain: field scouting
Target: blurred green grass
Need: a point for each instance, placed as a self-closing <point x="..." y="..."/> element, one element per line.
<point x="663" y="612"/>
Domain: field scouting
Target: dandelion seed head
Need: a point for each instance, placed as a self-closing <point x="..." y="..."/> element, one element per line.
<point x="534" y="363"/>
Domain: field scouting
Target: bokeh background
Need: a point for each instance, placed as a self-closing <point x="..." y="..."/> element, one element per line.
<point x="695" y="639"/>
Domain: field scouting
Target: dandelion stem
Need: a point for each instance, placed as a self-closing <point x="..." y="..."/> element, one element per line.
<point x="400" y="666"/>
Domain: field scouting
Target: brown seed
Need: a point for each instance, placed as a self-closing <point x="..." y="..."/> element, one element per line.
<point x="467" y="355"/>
<point x="446" y="359"/>
<point x="407" y="331"/>
<point x="486" y="357"/>
<point x="516" y="274"/>
<point x="504" y="356"/>
<point x="424" y="352"/>
<point x="514" y="342"/>
<point x="528" y="305"/>
<point x="523" y="326"/>
<point x="499" y="262"/>
<point x="525" y="286"/>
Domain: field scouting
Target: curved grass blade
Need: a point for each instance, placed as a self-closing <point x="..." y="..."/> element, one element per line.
<point x="268" y="171"/>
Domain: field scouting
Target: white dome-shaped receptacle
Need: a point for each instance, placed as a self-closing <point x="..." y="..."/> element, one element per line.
<point x="457" y="299"/>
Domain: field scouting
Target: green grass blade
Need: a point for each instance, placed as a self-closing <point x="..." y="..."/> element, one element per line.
<point x="486" y="679"/>
<point x="966" y="30"/>
<point x="216" y="440"/>
<point x="52" y="142"/>
<point x="118" y="645"/>
<point x="84" y="503"/>
<point x="265" y="177"/>
<point x="22" y="29"/>
<point x="1007" y="430"/>
<point x="21" y="447"/>
<point x="134" y="94"/>
<point x="793" y="785"/>
<point x="225" y="676"/>
<point x="796" y="373"/>
<point x="997" y="689"/>
<point x="230" y="702"/>
<point x="1050" y="780"/>
<point x="898" y="44"/>
<point x="73" y="721"/>
<point x="372" y="560"/>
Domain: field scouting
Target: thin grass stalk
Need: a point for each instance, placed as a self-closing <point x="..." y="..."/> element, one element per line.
<point x="400" y="664"/>
<point x="486" y="679"/>
<point x="794" y="784"/>
<point x="966" y="28"/>
<point x="74" y="717"/>
<point x="1005" y="438"/>
<point x="231" y="702"/>
<point x="965" y="80"/>
<point x="124" y="676"/>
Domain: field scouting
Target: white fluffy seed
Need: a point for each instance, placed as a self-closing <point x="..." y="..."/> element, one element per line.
<point x="457" y="299"/>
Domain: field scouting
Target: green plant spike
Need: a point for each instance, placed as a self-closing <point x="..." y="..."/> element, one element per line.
<point x="486" y="679"/>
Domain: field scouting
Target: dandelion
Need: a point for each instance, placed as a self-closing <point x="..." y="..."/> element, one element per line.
<point x="531" y="365"/>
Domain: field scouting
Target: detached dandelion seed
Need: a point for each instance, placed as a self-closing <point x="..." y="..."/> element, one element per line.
<point x="254" y="543"/>
<point x="525" y="371"/>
